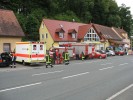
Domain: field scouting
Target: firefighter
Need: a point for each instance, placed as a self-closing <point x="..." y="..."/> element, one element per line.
<point x="82" y="56"/>
<point x="66" y="57"/>
<point x="48" y="61"/>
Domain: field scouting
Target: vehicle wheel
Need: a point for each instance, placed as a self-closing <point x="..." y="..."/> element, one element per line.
<point x="23" y="62"/>
<point x="100" y="57"/>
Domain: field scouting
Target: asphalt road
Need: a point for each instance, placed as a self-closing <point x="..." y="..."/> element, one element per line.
<point x="98" y="79"/>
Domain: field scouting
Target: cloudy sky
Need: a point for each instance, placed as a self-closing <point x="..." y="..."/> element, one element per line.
<point x="128" y="3"/>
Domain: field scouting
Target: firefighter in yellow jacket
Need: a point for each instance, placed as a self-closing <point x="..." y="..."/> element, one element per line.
<point x="66" y="57"/>
<point x="48" y="61"/>
<point x="83" y="56"/>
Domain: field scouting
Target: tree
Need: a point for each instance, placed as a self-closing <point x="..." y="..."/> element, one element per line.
<point x="32" y="27"/>
<point x="126" y="18"/>
<point x="113" y="18"/>
<point x="67" y="16"/>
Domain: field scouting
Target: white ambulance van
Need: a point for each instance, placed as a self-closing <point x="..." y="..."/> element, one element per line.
<point x="30" y="52"/>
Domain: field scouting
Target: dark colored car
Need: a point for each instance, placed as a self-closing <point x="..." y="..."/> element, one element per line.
<point x="5" y="59"/>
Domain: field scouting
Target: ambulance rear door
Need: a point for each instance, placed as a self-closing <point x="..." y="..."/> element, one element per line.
<point x="41" y="51"/>
<point x="34" y="51"/>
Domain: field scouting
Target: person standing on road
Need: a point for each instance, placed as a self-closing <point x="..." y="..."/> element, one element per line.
<point x="48" y="60"/>
<point x="13" y="60"/>
<point x="66" y="57"/>
<point x="83" y="56"/>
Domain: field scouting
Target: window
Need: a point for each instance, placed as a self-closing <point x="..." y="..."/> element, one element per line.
<point x="91" y="36"/>
<point x="41" y="47"/>
<point x="42" y="25"/>
<point x="46" y="35"/>
<point x="34" y="47"/>
<point x="6" y="47"/>
<point x="42" y="36"/>
<point x="61" y="35"/>
<point x="73" y="35"/>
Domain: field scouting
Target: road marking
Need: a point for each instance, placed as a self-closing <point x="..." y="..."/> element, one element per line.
<point x="106" y="64"/>
<point x="120" y="92"/>
<point x="87" y="62"/>
<point x="123" y="64"/>
<point x="14" y="88"/>
<point x="75" y="75"/>
<point x="106" y="68"/>
<point x="47" y="73"/>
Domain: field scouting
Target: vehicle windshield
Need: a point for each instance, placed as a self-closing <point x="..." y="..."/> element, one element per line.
<point x="101" y="51"/>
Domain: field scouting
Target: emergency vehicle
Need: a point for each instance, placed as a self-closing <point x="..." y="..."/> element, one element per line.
<point x="30" y="52"/>
<point x="70" y="50"/>
<point x="87" y="49"/>
<point x="59" y="53"/>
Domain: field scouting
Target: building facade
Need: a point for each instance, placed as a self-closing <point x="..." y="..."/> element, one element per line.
<point x="10" y="31"/>
<point x="56" y="33"/>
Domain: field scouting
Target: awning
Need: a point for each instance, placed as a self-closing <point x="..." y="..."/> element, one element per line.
<point x="118" y="42"/>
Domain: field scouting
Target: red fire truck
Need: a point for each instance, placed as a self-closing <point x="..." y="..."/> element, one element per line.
<point x="87" y="49"/>
<point x="59" y="51"/>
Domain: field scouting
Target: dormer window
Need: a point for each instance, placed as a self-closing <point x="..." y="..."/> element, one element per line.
<point x="61" y="34"/>
<point x="73" y="35"/>
<point x="72" y="32"/>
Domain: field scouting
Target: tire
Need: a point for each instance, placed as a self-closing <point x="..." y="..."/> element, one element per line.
<point x="23" y="62"/>
<point x="100" y="57"/>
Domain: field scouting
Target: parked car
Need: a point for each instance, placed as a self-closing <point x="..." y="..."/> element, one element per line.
<point x="99" y="54"/>
<point x="110" y="53"/>
<point x="119" y="52"/>
<point x="5" y="59"/>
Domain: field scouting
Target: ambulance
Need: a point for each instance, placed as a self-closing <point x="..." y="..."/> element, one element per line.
<point x="30" y="52"/>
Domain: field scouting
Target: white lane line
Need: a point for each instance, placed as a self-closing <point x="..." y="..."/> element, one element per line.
<point x="120" y="92"/>
<point x="48" y="73"/>
<point x="123" y="64"/>
<point x="87" y="62"/>
<point x="106" y="68"/>
<point x="75" y="75"/>
<point x="14" y="88"/>
<point x="106" y="64"/>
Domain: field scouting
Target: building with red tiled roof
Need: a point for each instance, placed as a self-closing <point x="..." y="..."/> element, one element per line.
<point x="55" y="33"/>
<point x="124" y="36"/>
<point x="10" y="30"/>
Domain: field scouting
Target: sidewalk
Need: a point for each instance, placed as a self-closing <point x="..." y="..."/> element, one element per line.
<point x="18" y="67"/>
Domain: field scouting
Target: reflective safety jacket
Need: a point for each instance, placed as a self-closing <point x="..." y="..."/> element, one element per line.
<point x="48" y="59"/>
<point x="66" y="56"/>
<point x="83" y="56"/>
